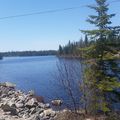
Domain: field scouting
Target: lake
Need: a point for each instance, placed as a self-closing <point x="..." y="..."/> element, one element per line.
<point x="35" y="73"/>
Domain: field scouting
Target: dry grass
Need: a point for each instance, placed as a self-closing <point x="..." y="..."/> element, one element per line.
<point x="67" y="115"/>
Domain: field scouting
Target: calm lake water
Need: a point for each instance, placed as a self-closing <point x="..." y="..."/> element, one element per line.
<point x="34" y="73"/>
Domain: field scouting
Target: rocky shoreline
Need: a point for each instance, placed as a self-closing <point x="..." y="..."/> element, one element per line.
<point x="17" y="105"/>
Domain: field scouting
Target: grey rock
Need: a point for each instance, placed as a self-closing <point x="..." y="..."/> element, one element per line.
<point x="31" y="103"/>
<point x="56" y="102"/>
<point x="39" y="110"/>
<point x="44" y="105"/>
<point x="26" y="106"/>
<point x="47" y="105"/>
<point x="32" y="110"/>
<point x="31" y="93"/>
<point x="35" y="117"/>
<point x="7" y="108"/>
<point x="42" y="114"/>
<point x="22" y="98"/>
<point x="11" y="103"/>
<point x="19" y="105"/>
<point x="11" y="92"/>
<point x="49" y="112"/>
<point x="3" y="95"/>
<point x="25" y="116"/>
<point x="8" y="84"/>
<point x="45" y="118"/>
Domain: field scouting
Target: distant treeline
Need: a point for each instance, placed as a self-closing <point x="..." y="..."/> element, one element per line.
<point x="29" y="53"/>
<point x="72" y="48"/>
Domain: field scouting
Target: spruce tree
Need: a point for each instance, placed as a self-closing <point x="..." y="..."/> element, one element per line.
<point x="60" y="50"/>
<point x="100" y="56"/>
<point x="101" y="20"/>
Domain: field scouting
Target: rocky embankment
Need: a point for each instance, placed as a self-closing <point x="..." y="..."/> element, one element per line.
<point x="17" y="105"/>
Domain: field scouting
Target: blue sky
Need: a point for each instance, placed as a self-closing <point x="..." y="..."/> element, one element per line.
<point x="44" y="31"/>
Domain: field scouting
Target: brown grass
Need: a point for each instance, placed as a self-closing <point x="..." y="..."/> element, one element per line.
<point x="67" y="115"/>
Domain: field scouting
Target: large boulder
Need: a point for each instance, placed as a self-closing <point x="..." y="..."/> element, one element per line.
<point x="8" y="84"/>
<point x="7" y="108"/>
<point x="19" y="105"/>
<point x="49" y="112"/>
<point x="11" y="103"/>
<point x="56" y="102"/>
<point x="31" y="93"/>
<point x="31" y="103"/>
<point x="44" y="106"/>
<point x="22" y="98"/>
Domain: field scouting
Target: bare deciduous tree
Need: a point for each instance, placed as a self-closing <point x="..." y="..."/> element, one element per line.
<point x="69" y="76"/>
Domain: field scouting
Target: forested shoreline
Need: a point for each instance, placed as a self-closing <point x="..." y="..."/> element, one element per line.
<point x="74" y="49"/>
<point x="28" y="53"/>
